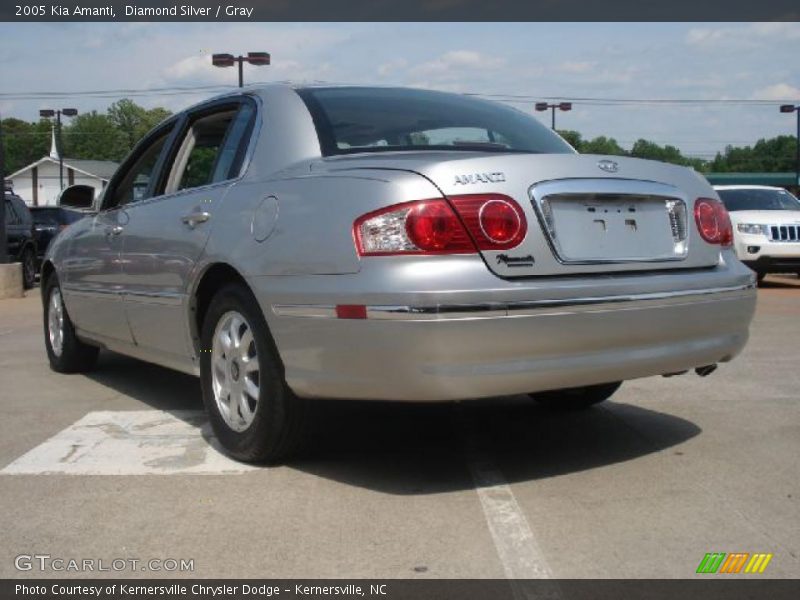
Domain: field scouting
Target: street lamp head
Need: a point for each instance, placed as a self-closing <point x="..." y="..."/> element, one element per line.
<point x="565" y="106"/>
<point x="47" y="113"/>
<point x="69" y="112"/>
<point x="222" y="60"/>
<point x="788" y="108"/>
<point x="542" y="106"/>
<point x="258" y="58"/>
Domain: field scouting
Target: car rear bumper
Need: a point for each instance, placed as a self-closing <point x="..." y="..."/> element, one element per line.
<point x="537" y="337"/>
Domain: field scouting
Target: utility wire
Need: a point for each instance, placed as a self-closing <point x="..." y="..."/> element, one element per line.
<point x="510" y="98"/>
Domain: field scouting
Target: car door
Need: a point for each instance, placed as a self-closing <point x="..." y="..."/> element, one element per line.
<point x="92" y="275"/>
<point x="165" y="234"/>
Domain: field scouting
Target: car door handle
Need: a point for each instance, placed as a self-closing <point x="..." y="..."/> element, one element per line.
<point x="114" y="230"/>
<point x="195" y="218"/>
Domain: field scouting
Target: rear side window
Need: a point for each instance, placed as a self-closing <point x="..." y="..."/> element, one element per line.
<point x="212" y="149"/>
<point x="352" y="119"/>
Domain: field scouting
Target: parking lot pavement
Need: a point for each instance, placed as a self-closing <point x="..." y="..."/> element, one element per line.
<point x="642" y="486"/>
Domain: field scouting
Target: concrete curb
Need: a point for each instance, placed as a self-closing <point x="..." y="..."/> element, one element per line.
<point x="10" y="280"/>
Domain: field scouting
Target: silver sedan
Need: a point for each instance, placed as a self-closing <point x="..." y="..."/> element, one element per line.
<point x="286" y="243"/>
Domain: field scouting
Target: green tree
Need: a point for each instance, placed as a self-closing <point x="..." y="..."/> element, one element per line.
<point x="90" y="135"/>
<point x="772" y="155"/>
<point x="602" y="145"/>
<point x="573" y="138"/>
<point x="25" y="142"/>
<point x="94" y="136"/>
<point x="670" y="154"/>
<point x="134" y="121"/>
<point x="598" y="145"/>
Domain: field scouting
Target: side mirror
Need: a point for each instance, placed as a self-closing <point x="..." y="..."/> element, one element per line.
<point x="77" y="196"/>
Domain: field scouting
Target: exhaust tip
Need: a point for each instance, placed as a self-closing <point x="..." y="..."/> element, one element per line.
<point x="706" y="370"/>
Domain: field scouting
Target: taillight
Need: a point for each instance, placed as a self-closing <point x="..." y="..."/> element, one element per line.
<point x="432" y="226"/>
<point x="496" y="222"/>
<point x="424" y="227"/>
<point x="479" y="222"/>
<point x="713" y="221"/>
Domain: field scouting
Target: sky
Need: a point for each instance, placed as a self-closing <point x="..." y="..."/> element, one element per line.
<point x="653" y="61"/>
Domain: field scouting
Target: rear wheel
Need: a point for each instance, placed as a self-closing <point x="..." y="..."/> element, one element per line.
<point x="66" y="353"/>
<point x="253" y="413"/>
<point x="577" y="398"/>
<point x="28" y="268"/>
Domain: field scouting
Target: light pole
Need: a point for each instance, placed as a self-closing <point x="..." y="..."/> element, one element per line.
<point x="49" y="113"/>
<point x="791" y="108"/>
<point x="257" y="59"/>
<point x="543" y="106"/>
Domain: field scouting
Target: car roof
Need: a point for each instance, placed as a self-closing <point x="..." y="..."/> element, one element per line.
<point x="258" y="89"/>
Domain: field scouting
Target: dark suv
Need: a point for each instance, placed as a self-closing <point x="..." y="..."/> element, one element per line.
<point x="21" y="242"/>
<point x="48" y="221"/>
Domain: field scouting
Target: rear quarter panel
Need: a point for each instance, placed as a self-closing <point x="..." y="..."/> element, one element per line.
<point x="302" y="224"/>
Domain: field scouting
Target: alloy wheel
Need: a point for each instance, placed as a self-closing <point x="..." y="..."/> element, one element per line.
<point x="235" y="371"/>
<point x="55" y="322"/>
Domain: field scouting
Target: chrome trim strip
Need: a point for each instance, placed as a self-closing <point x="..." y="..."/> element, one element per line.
<point x="170" y="298"/>
<point x="311" y="311"/>
<point x="540" y="192"/>
<point x="90" y="291"/>
<point x="510" y="309"/>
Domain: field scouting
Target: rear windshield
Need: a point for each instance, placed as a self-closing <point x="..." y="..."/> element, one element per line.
<point x="755" y="199"/>
<point x="350" y="120"/>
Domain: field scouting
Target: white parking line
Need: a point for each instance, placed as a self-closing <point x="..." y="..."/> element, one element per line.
<point x="141" y="442"/>
<point x="516" y="546"/>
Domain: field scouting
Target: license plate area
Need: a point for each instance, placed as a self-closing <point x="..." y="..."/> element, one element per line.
<point x="583" y="226"/>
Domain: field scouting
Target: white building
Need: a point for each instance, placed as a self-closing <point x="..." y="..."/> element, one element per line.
<point x="39" y="183"/>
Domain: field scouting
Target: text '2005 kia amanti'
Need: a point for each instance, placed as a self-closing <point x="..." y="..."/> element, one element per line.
<point x="287" y="243"/>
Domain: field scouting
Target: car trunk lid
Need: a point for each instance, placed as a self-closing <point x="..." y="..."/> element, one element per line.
<point x="585" y="213"/>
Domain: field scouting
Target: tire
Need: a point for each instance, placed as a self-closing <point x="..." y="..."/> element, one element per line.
<point x="66" y="353"/>
<point x="28" y="260"/>
<point x="577" y="398"/>
<point x="253" y="413"/>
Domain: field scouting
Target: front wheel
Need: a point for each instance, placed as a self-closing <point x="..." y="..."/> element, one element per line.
<point x="66" y="353"/>
<point x="577" y="398"/>
<point x="253" y="413"/>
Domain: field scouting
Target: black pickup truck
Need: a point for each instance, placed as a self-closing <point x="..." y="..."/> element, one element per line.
<point x="21" y="240"/>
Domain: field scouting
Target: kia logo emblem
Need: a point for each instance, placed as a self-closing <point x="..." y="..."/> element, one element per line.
<point x="609" y="166"/>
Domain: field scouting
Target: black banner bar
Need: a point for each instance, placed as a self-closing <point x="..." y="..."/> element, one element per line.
<point x="714" y="587"/>
<point x="398" y="10"/>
